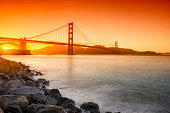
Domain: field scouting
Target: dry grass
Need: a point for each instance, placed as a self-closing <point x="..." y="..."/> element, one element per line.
<point x="9" y="67"/>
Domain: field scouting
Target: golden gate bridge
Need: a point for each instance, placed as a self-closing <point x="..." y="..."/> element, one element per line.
<point x="63" y="32"/>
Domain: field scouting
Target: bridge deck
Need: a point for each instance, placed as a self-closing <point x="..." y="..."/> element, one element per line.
<point x="50" y="42"/>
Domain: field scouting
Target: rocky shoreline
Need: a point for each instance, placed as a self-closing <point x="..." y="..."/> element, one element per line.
<point x="21" y="93"/>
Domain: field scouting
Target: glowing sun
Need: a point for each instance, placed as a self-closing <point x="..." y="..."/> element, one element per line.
<point x="5" y="47"/>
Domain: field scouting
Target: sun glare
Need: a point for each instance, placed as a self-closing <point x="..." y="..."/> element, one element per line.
<point x="6" y="47"/>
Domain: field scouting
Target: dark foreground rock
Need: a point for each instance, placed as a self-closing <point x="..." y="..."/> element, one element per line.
<point x="7" y="85"/>
<point x="33" y="108"/>
<point x="71" y="108"/>
<point x="13" y="108"/>
<point x="90" y="106"/>
<point x="37" y="98"/>
<point x="6" y="100"/>
<point x="51" y="100"/>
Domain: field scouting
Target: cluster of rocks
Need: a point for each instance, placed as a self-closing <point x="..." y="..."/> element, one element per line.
<point x="21" y="93"/>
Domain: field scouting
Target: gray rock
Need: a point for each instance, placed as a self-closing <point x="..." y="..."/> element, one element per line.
<point x="21" y="101"/>
<point x="27" y="77"/>
<point x="90" y="106"/>
<point x="7" y="85"/>
<point x="69" y="104"/>
<point x="65" y="101"/>
<point x="13" y="108"/>
<point x="46" y="91"/>
<point x="51" y="100"/>
<point x="25" y="90"/>
<point x="71" y="108"/>
<point x="54" y="93"/>
<point x="37" y="98"/>
<point x="11" y="84"/>
<point x="32" y="83"/>
<point x="33" y="108"/>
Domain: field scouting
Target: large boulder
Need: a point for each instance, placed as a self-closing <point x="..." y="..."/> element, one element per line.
<point x="71" y="108"/>
<point x="6" y="85"/>
<point x="33" y="108"/>
<point x="90" y="106"/>
<point x="12" y="108"/>
<point x="65" y="101"/>
<point x="69" y="104"/>
<point x="54" y="93"/>
<point x="51" y="100"/>
<point x="6" y="100"/>
<point x="37" y="98"/>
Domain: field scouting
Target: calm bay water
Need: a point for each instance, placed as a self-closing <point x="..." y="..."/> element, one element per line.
<point x="129" y="84"/>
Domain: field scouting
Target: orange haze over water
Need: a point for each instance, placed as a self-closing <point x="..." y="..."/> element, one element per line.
<point x="136" y="24"/>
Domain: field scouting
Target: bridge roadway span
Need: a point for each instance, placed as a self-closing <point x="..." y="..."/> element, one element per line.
<point x="50" y="42"/>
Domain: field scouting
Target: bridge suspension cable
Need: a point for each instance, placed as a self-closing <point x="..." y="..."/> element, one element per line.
<point x="48" y="32"/>
<point x="83" y="35"/>
<point x="60" y="34"/>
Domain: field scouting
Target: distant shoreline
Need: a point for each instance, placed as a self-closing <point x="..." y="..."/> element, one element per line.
<point x="62" y="50"/>
<point x="93" y="54"/>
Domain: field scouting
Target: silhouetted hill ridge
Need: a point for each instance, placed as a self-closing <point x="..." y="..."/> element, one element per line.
<point x="52" y="50"/>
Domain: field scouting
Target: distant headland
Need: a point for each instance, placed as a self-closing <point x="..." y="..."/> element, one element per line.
<point x="51" y="50"/>
<point x="55" y="50"/>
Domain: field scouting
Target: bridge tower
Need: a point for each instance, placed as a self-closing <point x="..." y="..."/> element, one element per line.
<point x="116" y="44"/>
<point x="70" y="38"/>
<point x="116" y="47"/>
<point x="23" y="44"/>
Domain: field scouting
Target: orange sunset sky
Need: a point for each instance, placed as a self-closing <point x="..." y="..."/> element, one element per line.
<point x="135" y="24"/>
